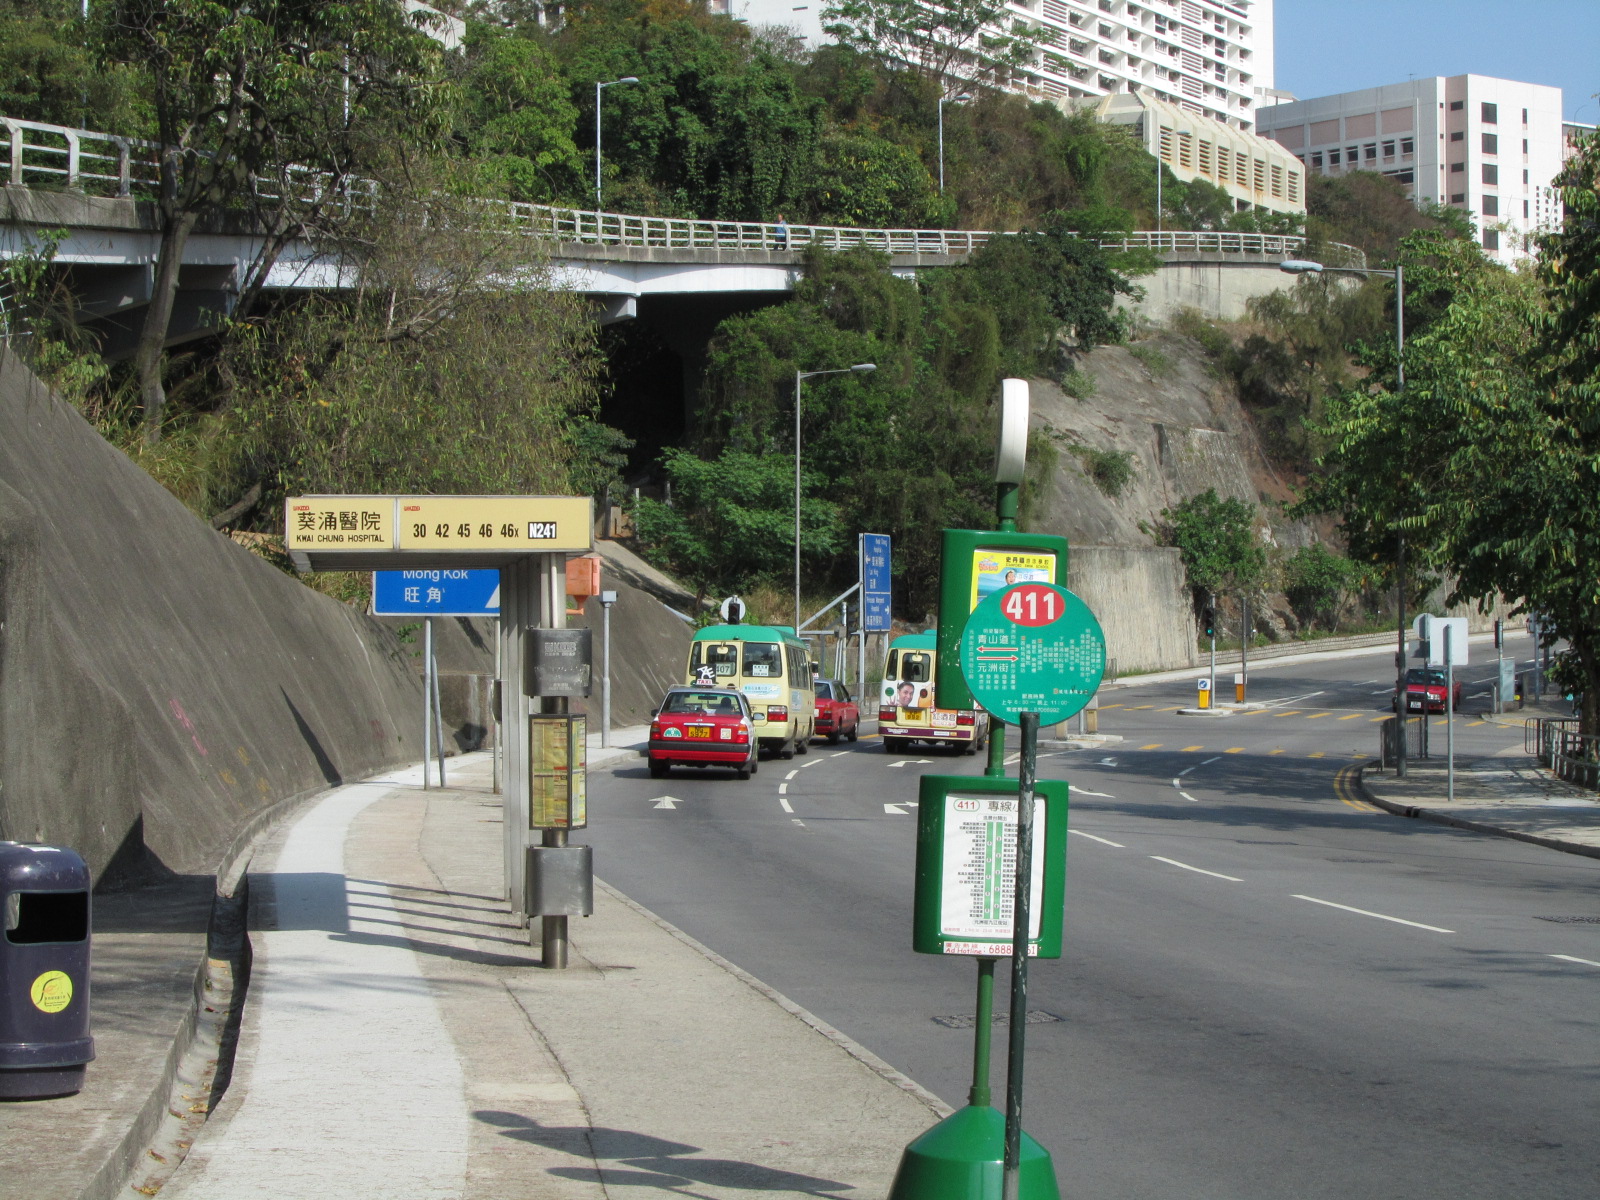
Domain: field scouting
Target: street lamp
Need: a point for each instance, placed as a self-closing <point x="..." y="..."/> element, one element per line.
<point x="598" y="88"/>
<point x="798" y="376"/>
<point x="1302" y="266"/>
<point x="963" y="98"/>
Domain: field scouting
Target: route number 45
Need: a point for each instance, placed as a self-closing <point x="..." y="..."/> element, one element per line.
<point x="1032" y="604"/>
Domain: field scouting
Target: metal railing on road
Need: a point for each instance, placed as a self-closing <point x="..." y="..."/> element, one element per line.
<point x="1557" y="744"/>
<point x="38" y="155"/>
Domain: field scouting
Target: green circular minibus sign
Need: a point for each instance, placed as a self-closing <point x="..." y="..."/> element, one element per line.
<point x="1033" y="647"/>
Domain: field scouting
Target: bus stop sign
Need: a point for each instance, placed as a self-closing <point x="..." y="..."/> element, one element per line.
<point x="1033" y="647"/>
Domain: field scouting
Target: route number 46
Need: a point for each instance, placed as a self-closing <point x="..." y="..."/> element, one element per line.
<point x="1032" y="604"/>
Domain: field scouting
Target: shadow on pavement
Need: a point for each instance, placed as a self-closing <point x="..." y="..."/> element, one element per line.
<point x="654" y="1162"/>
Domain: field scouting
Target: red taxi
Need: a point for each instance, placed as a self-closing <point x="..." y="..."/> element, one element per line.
<point x="703" y="727"/>
<point x="837" y="714"/>
<point x="1425" y="690"/>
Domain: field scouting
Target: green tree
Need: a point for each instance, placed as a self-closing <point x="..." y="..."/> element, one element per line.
<point x="1316" y="583"/>
<point x="731" y="520"/>
<point x="1217" y="541"/>
<point x="950" y="42"/>
<point x="518" y="118"/>
<point x="49" y="72"/>
<point x="245" y="90"/>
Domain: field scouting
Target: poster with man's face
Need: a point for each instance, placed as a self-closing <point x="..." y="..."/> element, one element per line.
<point x="994" y="570"/>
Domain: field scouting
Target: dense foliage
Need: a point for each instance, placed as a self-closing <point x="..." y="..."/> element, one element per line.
<point x="1218" y="543"/>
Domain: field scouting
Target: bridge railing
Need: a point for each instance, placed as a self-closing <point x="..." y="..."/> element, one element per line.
<point x="34" y="154"/>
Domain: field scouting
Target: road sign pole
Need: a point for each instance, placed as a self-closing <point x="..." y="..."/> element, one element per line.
<point x="438" y="708"/>
<point x="427" y="699"/>
<point x="982" y="1028"/>
<point x="1449" y="716"/>
<point x="1019" y="954"/>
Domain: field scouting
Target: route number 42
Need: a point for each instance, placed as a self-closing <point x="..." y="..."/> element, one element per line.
<point x="1033" y="604"/>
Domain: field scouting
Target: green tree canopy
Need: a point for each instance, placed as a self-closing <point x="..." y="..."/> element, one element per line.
<point x="1217" y="541"/>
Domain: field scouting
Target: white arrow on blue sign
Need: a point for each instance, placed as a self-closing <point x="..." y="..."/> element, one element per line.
<point x="439" y="592"/>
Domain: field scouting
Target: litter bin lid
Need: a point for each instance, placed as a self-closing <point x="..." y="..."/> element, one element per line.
<point x="28" y="867"/>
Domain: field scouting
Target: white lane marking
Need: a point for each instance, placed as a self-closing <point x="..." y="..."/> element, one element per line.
<point x="815" y="762"/>
<point x="1197" y="870"/>
<point x="1101" y="840"/>
<point x="1285" y="703"/>
<point x="1588" y="962"/>
<point x="670" y="802"/>
<point x="835" y="754"/>
<point x="1208" y="762"/>
<point x="787" y="807"/>
<point x="798" y="822"/>
<point x="783" y="789"/>
<point x="1188" y="797"/>
<point x="796" y="771"/>
<point x="911" y="761"/>
<point x="1078" y="791"/>
<point x="1175" y="782"/>
<point x="1108" y="762"/>
<point x="1363" y="912"/>
<point x="1013" y="758"/>
<point x="895" y="810"/>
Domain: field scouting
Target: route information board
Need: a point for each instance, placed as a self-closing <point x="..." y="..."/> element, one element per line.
<point x="1033" y="647"/>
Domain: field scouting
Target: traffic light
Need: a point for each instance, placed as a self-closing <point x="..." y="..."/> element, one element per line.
<point x="1210" y="620"/>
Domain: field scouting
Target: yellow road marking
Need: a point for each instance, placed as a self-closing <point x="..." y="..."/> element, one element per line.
<point x="1314" y="716"/>
<point x="1344" y="787"/>
<point x="1186" y="749"/>
<point x="1234" y="750"/>
<point x="1317" y="754"/>
<point x="1174" y="708"/>
<point x="1111" y="706"/>
<point x="1377" y="718"/>
<point x="1139" y="706"/>
<point x="1293" y="712"/>
<point x="1351" y="717"/>
<point x="1274" y="752"/>
<point x="1470" y="724"/>
<point x="1152" y="746"/>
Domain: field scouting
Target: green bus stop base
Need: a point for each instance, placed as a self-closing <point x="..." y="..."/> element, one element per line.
<point x="961" y="1158"/>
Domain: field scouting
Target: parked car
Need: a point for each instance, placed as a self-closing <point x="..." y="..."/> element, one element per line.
<point x="837" y="714"/>
<point x="703" y="727"/>
<point x="1425" y="690"/>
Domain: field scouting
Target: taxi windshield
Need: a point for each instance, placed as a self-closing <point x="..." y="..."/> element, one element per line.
<point x="1423" y="675"/>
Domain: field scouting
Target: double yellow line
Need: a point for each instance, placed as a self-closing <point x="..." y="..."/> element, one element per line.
<point x="1346" y="786"/>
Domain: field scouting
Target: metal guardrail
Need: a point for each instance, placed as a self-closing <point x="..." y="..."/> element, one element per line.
<point x="1557" y="744"/>
<point x="34" y="154"/>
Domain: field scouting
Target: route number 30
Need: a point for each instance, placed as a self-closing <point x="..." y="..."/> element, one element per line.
<point x="1033" y="604"/>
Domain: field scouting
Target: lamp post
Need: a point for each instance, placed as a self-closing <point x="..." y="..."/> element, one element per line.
<point x="1301" y="266"/>
<point x="798" y="377"/>
<point x="598" y="88"/>
<point x="963" y="98"/>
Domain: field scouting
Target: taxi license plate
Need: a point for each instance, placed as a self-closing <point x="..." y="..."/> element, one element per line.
<point x="699" y="731"/>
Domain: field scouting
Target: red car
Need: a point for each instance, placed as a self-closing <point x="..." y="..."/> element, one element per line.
<point x="1425" y="690"/>
<point x="703" y="727"/>
<point x="837" y="714"/>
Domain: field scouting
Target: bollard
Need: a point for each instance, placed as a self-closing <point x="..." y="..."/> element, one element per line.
<point x="1238" y="688"/>
<point x="1204" y="688"/>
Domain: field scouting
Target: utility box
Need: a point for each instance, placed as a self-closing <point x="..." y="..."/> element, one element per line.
<point x="44" y="971"/>
<point x="560" y="662"/>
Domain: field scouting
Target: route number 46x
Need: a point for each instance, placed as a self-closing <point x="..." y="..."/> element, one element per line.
<point x="1033" y="604"/>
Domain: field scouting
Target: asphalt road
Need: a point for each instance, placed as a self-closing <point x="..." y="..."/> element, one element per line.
<point x="1268" y="988"/>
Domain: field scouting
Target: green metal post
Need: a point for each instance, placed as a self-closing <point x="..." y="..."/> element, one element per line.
<point x="1005" y="504"/>
<point x="984" y="1024"/>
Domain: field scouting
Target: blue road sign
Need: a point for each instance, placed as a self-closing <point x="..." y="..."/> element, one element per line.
<point x="436" y="593"/>
<point x="875" y="588"/>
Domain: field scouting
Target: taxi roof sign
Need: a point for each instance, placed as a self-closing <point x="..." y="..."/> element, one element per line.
<point x="360" y="533"/>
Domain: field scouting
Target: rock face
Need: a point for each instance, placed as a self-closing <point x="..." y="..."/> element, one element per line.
<point x="160" y="685"/>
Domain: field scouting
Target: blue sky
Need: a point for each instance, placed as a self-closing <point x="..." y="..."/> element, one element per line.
<point x="1328" y="46"/>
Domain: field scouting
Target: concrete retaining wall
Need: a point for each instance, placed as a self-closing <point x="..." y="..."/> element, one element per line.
<point x="1142" y="602"/>
<point x="1216" y="285"/>
<point x="159" y="684"/>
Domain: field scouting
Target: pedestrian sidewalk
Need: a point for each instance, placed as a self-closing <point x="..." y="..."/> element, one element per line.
<point x="1508" y="794"/>
<point x="400" y="1040"/>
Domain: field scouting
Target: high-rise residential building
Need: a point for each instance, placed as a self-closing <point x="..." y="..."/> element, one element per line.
<point x="1490" y="147"/>
<point x="1211" y="58"/>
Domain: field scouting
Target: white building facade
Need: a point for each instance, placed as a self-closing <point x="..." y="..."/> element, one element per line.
<point x="1490" y="147"/>
<point x="1211" y="58"/>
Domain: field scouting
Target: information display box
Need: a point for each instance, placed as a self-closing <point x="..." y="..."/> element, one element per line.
<point x="967" y="866"/>
<point x="558" y="776"/>
<point x="976" y="564"/>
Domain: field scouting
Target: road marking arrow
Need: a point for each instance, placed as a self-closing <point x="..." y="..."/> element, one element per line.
<point x="910" y="761"/>
<point x="1108" y="762"/>
<point x="670" y="802"/>
<point x="895" y="810"/>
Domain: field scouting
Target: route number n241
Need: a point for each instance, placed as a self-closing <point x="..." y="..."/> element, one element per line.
<point x="1031" y="604"/>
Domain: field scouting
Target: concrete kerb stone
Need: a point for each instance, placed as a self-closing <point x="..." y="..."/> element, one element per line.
<point x="1443" y="818"/>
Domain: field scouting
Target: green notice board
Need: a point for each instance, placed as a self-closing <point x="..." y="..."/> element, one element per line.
<point x="1033" y="647"/>
<point x="974" y="565"/>
<point x="967" y="866"/>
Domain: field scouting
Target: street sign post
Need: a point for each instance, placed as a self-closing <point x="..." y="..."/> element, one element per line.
<point x="1033" y="647"/>
<point x="875" y="553"/>
<point x="436" y="592"/>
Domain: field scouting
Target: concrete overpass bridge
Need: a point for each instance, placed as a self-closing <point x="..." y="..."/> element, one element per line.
<point x="97" y="187"/>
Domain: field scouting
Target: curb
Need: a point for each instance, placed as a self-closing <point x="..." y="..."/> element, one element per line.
<point x="1442" y="818"/>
